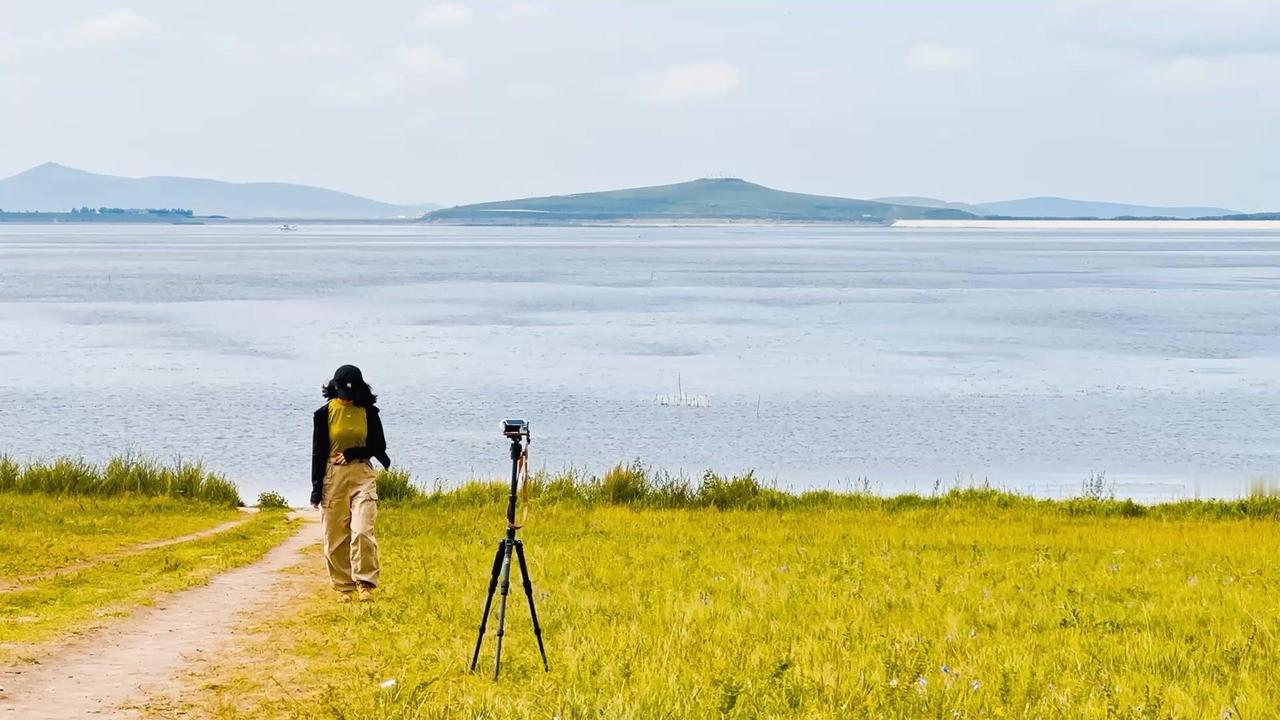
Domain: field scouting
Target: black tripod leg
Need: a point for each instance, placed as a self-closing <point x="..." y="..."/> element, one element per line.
<point x="488" y="602"/>
<point x="502" y="605"/>
<point x="533" y="611"/>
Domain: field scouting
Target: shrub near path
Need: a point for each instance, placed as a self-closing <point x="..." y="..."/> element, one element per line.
<point x="972" y="605"/>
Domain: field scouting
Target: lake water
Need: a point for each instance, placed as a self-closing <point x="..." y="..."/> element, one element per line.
<point x="889" y="358"/>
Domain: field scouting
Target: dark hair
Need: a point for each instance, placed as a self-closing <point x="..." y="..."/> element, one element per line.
<point x="364" y="394"/>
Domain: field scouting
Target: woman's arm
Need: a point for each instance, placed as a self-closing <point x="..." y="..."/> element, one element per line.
<point x="319" y="454"/>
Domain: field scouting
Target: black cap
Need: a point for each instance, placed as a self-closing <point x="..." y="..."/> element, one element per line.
<point x="346" y="381"/>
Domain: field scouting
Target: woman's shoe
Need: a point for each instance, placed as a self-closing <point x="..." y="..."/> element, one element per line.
<point x="366" y="594"/>
<point x="346" y="597"/>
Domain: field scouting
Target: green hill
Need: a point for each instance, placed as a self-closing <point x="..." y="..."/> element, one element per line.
<point x="728" y="199"/>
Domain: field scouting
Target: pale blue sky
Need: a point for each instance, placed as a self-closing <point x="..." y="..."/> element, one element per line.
<point x="1162" y="102"/>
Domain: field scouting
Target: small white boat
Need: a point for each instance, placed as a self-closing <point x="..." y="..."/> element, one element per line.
<point x="288" y="228"/>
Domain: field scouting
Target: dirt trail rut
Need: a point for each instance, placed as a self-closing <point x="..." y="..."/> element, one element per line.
<point x="94" y="676"/>
<point x="21" y="582"/>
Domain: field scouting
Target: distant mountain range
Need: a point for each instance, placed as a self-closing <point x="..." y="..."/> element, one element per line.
<point x="725" y="199"/>
<point x="56" y="188"/>
<point x="934" y="203"/>
<point x="1056" y="207"/>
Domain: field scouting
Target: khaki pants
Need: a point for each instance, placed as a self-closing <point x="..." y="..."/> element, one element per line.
<point x="347" y="514"/>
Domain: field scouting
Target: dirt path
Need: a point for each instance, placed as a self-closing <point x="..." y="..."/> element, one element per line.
<point x="94" y="676"/>
<point x="19" y="583"/>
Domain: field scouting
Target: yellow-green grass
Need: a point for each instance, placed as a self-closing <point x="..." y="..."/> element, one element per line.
<point x="128" y="474"/>
<point x="48" y="609"/>
<point x="981" y="606"/>
<point x="39" y="533"/>
<point x="637" y="486"/>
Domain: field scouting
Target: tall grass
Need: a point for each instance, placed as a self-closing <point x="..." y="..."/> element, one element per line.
<point x="630" y="485"/>
<point x="395" y="485"/>
<point x="637" y="486"/>
<point x="122" y="475"/>
<point x="946" y="607"/>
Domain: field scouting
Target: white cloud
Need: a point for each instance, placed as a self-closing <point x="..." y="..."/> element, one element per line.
<point x="1192" y="75"/>
<point x="426" y="60"/>
<point x="358" y="90"/>
<point x="406" y="66"/>
<point x="444" y="15"/>
<point x="694" y="82"/>
<point x="935" y="58"/>
<point x="111" y="28"/>
<point x="521" y="10"/>
<point x="319" y="47"/>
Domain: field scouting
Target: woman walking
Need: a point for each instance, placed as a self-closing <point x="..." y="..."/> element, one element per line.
<point x="348" y="433"/>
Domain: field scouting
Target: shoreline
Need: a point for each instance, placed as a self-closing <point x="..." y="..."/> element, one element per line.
<point x="976" y="224"/>
<point x="1090" y="224"/>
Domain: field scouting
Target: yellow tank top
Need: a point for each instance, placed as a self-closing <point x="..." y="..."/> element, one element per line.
<point x="348" y="426"/>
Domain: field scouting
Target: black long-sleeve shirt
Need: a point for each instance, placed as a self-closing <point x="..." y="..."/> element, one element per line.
<point x="375" y="446"/>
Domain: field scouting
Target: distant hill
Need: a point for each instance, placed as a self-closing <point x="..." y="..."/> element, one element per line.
<point x="727" y="199"/>
<point x="1055" y="207"/>
<point x="56" y="188"/>
<point x="929" y="202"/>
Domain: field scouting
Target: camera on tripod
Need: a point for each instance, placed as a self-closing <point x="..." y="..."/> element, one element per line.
<point x="517" y="431"/>
<point x="515" y="428"/>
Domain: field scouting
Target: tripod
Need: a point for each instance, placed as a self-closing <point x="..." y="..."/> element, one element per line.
<point x="502" y="558"/>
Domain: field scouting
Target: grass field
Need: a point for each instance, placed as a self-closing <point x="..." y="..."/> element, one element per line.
<point x="42" y="532"/>
<point x="972" y="605"/>
<point x="74" y="537"/>
<point x="51" y="608"/>
<point x="96" y="536"/>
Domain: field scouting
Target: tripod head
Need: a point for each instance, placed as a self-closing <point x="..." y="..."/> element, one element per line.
<point x="515" y="429"/>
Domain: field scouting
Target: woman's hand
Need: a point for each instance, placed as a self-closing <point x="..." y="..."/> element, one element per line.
<point x="338" y="459"/>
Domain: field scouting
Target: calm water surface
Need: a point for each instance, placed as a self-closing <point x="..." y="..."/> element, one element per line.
<point x="833" y="357"/>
